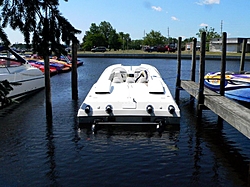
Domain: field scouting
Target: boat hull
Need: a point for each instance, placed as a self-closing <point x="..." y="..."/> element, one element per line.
<point x="20" y="75"/>
<point x="27" y="87"/>
<point x="23" y="84"/>
<point x="126" y="102"/>
<point x="242" y="94"/>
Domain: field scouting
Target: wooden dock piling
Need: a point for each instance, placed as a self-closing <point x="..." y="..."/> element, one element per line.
<point x="223" y="68"/>
<point x="200" y="103"/>
<point x="243" y="55"/>
<point x="229" y="110"/>
<point x="223" y="64"/>
<point x="178" y="78"/>
<point x="193" y="68"/>
<point x="74" y="85"/>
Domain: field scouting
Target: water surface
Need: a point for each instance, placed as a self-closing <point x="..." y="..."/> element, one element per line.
<point x="34" y="153"/>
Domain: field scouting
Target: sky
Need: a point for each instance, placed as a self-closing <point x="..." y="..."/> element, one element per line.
<point x="173" y="18"/>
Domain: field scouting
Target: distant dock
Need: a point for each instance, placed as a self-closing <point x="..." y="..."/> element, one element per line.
<point x="228" y="110"/>
<point x="232" y="112"/>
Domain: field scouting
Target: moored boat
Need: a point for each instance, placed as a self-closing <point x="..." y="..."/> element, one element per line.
<point x="52" y="70"/>
<point x="129" y="95"/>
<point x="67" y="66"/>
<point x="57" y="65"/>
<point x="17" y="71"/>
<point x="68" y="59"/>
<point x="237" y="85"/>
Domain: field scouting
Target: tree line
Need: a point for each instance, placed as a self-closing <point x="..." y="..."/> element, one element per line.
<point x="40" y="22"/>
<point x="105" y="35"/>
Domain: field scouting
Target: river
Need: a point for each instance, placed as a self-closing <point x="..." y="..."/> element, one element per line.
<point x="34" y="153"/>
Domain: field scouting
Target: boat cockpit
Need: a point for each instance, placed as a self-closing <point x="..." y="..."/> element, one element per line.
<point x="120" y="75"/>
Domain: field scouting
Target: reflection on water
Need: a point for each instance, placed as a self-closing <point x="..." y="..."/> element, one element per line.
<point x="51" y="153"/>
<point x="61" y="153"/>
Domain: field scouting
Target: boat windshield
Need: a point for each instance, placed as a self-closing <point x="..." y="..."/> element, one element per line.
<point x="9" y="58"/>
<point x="10" y="61"/>
<point x="7" y="62"/>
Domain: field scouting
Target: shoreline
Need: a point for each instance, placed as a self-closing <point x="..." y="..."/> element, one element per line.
<point x="152" y="56"/>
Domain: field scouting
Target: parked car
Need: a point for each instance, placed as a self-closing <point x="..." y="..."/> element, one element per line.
<point x="99" y="49"/>
<point x="168" y="48"/>
<point x="161" y="48"/>
<point x="171" y="48"/>
<point x="150" y="49"/>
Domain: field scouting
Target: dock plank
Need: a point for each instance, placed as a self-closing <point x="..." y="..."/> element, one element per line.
<point x="235" y="114"/>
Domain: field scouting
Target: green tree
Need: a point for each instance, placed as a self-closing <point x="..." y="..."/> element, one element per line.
<point x="210" y="34"/>
<point x="154" y="38"/>
<point x="125" y="40"/>
<point x="41" y="23"/>
<point x="93" y="37"/>
<point x="114" y="41"/>
<point x="121" y="35"/>
<point x="106" y="30"/>
<point x="188" y="40"/>
<point x="35" y="19"/>
<point x="136" y="44"/>
<point x="102" y="35"/>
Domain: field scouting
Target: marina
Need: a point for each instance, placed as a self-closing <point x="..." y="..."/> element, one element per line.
<point x="62" y="154"/>
<point x="121" y="106"/>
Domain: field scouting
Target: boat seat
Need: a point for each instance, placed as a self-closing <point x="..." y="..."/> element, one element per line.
<point x="143" y="77"/>
<point x="130" y="80"/>
<point x="117" y="80"/>
<point x="143" y="80"/>
<point x="117" y="77"/>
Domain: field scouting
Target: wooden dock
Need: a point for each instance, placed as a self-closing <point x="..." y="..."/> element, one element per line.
<point x="235" y="114"/>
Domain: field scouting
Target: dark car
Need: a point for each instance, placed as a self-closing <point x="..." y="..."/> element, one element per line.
<point x="99" y="49"/>
<point x="150" y="49"/>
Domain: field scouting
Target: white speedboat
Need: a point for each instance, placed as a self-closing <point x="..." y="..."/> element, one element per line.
<point x="23" y="78"/>
<point x="129" y="95"/>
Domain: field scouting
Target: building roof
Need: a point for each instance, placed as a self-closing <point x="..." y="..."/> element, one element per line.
<point x="230" y="40"/>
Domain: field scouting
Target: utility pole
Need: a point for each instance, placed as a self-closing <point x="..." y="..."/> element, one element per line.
<point x="221" y="27"/>
<point x="168" y="40"/>
<point x="168" y="35"/>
